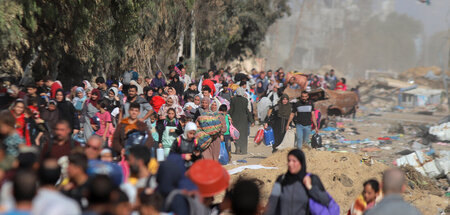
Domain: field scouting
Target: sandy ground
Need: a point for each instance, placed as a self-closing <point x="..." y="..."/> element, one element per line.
<point x="341" y="170"/>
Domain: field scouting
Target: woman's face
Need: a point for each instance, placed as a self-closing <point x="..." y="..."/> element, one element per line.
<point x="19" y="108"/>
<point x="170" y="91"/>
<point x="214" y="107"/>
<point x="80" y="94"/>
<point x="285" y="101"/>
<point x="59" y="96"/>
<point x="88" y="94"/>
<point x="111" y="94"/>
<point x="205" y="104"/>
<point x="197" y="100"/>
<point x="169" y="102"/>
<point x="294" y="165"/>
<point x="159" y="75"/>
<point x="150" y="93"/>
<point x="171" y="114"/>
<point x="94" y="97"/>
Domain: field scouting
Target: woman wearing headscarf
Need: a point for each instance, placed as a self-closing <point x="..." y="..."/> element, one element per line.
<point x="177" y="85"/>
<point x="292" y="190"/>
<point x="278" y="117"/>
<point x="79" y="99"/>
<point x="89" y="111"/>
<point x="114" y="103"/>
<point x="239" y="110"/>
<point x="203" y="108"/>
<point x="189" y="109"/>
<point x="158" y="81"/>
<point x="67" y="111"/>
<point x="87" y="85"/>
<point x="214" y="107"/>
<point x="171" y="102"/>
<point x="113" y="99"/>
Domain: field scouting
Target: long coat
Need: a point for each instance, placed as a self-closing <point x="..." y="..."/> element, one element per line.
<point x="241" y="119"/>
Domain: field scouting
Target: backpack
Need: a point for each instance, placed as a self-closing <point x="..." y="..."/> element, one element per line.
<point x="134" y="75"/>
<point x="179" y="142"/>
<point x="135" y="137"/>
<point x="195" y="206"/>
<point x="127" y="77"/>
<point x="316" y="141"/>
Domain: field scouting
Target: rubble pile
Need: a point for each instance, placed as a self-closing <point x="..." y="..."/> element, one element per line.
<point x="427" y="76"/>
<point x="375" y="94"/>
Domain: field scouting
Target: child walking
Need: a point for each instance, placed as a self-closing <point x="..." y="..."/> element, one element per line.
<point x="186" y="145"/>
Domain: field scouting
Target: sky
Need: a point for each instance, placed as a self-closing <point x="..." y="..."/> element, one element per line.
<point x="434" y="17"/>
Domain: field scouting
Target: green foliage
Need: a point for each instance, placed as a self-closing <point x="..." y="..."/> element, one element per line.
<point x="89" y="37"/>
<point x="11" y="31"/>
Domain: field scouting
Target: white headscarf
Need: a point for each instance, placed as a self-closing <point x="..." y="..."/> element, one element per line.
<point x="240" y="91"/>
<point x="190" y="126"/>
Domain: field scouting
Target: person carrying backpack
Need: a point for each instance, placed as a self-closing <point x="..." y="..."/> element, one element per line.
<point x="298" y="192"/>
<point x="179" y="193"/>
<point x="187" y="146"/>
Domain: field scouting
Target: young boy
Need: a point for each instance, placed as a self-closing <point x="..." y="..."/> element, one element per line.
<point x="130" y="125"/>
<point x="190" y="92"/>
<point x="153" y="120"/>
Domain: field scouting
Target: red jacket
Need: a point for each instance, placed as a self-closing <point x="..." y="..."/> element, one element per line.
<point x="55" y="86"/>
<point x="210" y="84"/>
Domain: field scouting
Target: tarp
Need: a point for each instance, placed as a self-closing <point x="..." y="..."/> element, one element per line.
<point x="242" y="168"/>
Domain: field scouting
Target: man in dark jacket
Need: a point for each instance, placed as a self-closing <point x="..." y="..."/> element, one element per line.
<point x="190" y="92"/>
<point x="61" y="144"/>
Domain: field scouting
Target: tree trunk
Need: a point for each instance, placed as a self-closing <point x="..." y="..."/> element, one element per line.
<point x="28" y="72"/>
<point x="180" y="45"/>
<point x="193" y="64"/>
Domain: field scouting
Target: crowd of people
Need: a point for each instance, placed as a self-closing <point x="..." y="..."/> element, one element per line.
<point x="130" y="145"/>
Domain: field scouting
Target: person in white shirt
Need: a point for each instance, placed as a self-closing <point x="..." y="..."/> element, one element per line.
<point x="49" y="201"/>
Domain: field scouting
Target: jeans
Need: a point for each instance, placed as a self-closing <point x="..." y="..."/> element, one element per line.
<point x="303" y="132"/>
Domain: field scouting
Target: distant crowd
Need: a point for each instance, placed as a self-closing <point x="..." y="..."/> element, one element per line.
<point x="141" y="145"/>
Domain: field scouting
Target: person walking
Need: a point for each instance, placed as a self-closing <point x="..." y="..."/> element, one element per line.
<point x="278" y="117"/>
<point x="239" y="110"/>
<point x="292" y="190"/>
<point x="303" y="116"/>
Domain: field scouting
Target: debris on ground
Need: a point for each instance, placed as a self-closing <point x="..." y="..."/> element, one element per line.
<point x="442" y="131"/>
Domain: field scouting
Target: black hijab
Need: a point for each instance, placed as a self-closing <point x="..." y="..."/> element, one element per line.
<point x="292" y="178"/>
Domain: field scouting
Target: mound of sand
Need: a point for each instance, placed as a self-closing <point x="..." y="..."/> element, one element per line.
<point x="343" y="175"/>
